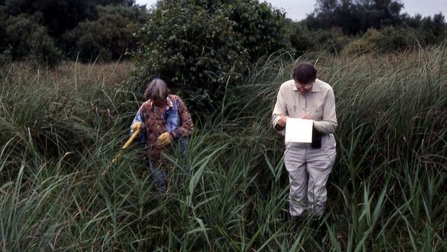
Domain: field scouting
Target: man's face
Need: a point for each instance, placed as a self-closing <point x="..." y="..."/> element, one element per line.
<point x="304" y="88"/>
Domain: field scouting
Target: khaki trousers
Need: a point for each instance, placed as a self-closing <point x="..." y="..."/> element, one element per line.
<point x="309" y="171"/>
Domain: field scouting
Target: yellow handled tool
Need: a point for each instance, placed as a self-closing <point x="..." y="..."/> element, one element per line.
<point x="134" y="135"/>
<point x="125" y="146"/>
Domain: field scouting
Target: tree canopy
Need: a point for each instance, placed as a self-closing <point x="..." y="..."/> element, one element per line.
<point x="355" y="16"/>
<point x="46" y="31"/>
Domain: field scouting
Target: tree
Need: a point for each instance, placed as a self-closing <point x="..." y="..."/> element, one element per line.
<point x="203" y="47"/>
<point x="355" y="17"/>
<point x="107" y="37"/>
<point x="88" y="28"/>
<point x="433" y="30"/>
<point x="30" y="41"/>
<point x="127" y="3"/>
<point x="58" y="15"/>
<point x="300" y="39"/>
<point x="3" y="18"/>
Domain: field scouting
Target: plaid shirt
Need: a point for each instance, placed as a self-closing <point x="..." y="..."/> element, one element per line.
<point x="175" y="119"/>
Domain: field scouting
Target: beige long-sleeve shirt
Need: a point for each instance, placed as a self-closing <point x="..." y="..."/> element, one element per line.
<point x="318" y="105"/>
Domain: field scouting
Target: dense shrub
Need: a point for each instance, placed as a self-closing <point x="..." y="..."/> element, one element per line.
<point x="364" y="44"/>
<point x="393" y="39"/>
<point x="300" y="40"/>
<point x="203" y="47"/>
<point x="331" y="41"/>
<point x="259" y="26"/>
<point x="304" y="40"/>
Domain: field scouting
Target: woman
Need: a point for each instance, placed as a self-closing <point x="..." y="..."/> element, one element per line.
<point x="164" y="119"/>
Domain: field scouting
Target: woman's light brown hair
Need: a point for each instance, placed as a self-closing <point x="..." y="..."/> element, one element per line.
<point x="157" y="90"/>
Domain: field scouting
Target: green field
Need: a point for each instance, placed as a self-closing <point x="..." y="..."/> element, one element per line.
<point x="60" y="128"/>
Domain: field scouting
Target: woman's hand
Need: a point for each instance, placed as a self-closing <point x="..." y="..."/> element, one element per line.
<point x="164" y="139"/>
<point x="137" y="126"/>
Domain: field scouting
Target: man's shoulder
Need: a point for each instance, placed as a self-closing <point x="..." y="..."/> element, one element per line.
<point x="323" y="85"/>
<point x="288" y="84"/>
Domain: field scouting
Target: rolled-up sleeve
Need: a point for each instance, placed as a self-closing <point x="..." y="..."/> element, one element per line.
<point x="279" y="109"/>
<point x="328" y="124"/>
<point x="139" y="118"/>
<point x="187" y="126"/>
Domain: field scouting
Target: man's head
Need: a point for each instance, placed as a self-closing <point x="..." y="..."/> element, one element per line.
<point x="304" y="75"/>
<point x="157" y="91"/>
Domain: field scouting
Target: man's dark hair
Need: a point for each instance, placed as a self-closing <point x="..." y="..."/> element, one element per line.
<point x="304" y="73"/>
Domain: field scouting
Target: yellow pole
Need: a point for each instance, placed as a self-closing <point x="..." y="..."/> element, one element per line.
<point x="125" y="146"/>
<point x="134" y="135"/>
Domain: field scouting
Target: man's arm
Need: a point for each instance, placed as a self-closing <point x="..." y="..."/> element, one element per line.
<point x="279" y="114"/>
<point x="329" y="122"/>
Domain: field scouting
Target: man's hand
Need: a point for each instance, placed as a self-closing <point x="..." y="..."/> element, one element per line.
<point x="137" y="126"/>
<point x="282" y="121"/>
<point x="281" y="124"/>
<point x="164" y="139"/>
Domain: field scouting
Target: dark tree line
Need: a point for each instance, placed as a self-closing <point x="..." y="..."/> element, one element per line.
<point x="355" y="17"/>
<point x="362" y="26"/>
<point x="47" y="31"/>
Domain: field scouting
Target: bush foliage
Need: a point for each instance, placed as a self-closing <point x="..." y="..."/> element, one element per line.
<point x="203" y="48"/>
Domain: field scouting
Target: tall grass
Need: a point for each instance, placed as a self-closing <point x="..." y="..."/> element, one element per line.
<point x="59" y="130"/>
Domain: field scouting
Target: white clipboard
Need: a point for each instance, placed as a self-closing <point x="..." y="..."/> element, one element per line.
<point x="298" y="130"/>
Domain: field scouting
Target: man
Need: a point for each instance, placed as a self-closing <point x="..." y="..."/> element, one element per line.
<point x="308" y="164"/>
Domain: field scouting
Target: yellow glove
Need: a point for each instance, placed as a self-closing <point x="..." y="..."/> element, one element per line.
<point x="137" y="126"/>
<point x="164" y="139"/>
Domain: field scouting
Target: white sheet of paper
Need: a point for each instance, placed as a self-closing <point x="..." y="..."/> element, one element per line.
<point x="298" y="130"/>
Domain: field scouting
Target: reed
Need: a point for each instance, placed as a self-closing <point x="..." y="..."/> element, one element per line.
<point x="386" y="192"/>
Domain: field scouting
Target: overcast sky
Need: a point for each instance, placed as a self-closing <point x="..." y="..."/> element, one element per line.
<point x="298" y="9"/>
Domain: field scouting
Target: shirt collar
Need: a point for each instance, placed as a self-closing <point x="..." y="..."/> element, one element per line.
<point x="169" y="101"/>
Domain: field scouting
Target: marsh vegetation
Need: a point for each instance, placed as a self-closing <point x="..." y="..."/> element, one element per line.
<point x="60" y="128"/>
